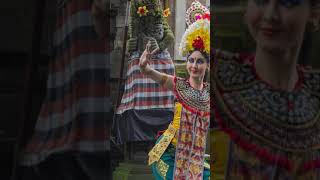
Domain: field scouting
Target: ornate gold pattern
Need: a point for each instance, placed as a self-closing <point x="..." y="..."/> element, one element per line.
<point x="190" y="149"/>
<point x="281" y="124"/>
<point x="157" y="151"/>
<point x="168" y="136"/>
<point x="162" y="168"/>
<point x="195" y="169"/>
<point x="196" y="99"/>
<point x="286" y="128"/>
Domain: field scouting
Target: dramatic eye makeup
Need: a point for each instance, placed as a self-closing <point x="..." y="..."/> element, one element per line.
<point x="190" y="60"/>
<point x="198" y="61"/>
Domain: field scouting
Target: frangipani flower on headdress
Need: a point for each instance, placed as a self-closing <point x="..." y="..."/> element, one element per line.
<point x="196" y="37"/>
<point x="142" y="11"/>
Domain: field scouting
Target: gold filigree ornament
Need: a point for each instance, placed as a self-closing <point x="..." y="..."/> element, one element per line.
<point x="162" y="168"/>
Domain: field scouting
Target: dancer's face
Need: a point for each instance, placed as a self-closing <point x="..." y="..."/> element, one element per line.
<point x="197" y="65"/>
<point x="278" y="25"/>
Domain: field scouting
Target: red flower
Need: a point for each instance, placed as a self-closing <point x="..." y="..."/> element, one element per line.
<point x="206" y="16"/>
<point x="198" y="43"/>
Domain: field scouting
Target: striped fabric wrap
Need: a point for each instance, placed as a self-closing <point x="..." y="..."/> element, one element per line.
<point x="75" y="112"/>
<point x="143" y="93"/>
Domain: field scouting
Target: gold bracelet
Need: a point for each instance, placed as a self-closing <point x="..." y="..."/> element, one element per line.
<point x="163" y="79"/>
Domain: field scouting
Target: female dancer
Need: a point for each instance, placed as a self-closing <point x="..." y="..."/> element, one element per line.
<point x="180" y="151"/>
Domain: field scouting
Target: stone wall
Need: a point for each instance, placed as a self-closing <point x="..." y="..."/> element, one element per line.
<point x="117" y="22"/>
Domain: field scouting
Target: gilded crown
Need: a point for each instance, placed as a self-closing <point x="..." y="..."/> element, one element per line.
<point x="195" y="11"/>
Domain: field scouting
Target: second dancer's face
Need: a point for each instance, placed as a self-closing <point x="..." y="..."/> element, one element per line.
<point x="278" y="25"/>
<point x="197" y="65"/>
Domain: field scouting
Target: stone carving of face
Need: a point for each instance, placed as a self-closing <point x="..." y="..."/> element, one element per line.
<point x="152" y="24"/>
<point x="155" y="30"/>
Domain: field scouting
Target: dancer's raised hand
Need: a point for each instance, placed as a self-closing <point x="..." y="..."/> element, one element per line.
<point x="145" y="58"/>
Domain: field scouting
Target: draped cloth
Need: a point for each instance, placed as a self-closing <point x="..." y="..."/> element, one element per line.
<point x="185" y="139"/>
<point x="192" y="135"/>
<point x="75" y="114"/>
<point x="145" y="106"/>
<point x="141" y="92"/>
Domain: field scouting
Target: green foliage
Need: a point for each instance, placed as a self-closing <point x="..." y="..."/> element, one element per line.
<point x="180" y="69"/>
<point x="155" y="12"/>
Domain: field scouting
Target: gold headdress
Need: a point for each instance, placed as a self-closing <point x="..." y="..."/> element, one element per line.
<point x="197" y="35"/>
